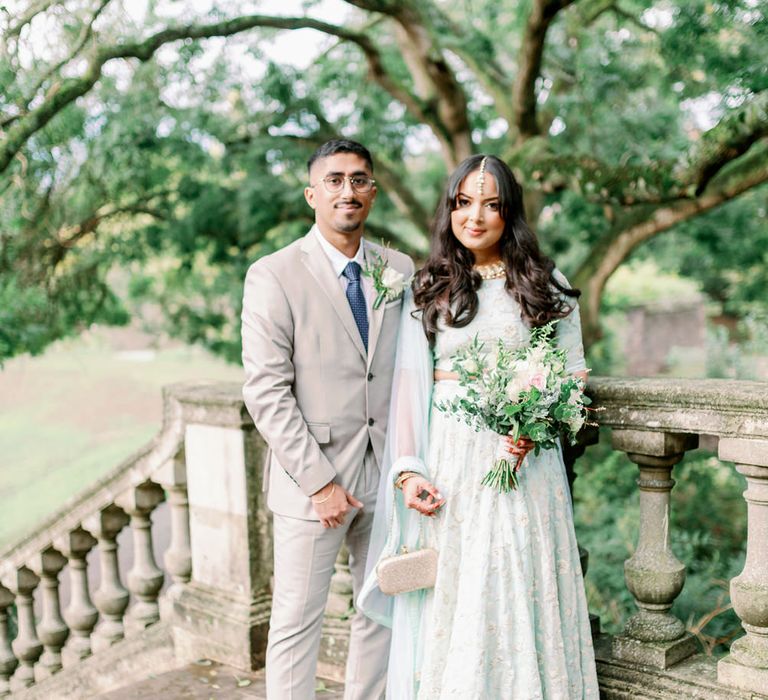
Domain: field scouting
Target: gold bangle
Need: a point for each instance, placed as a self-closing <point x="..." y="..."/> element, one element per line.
<point x="323" y="500"/>
<point x="402" y="478"/>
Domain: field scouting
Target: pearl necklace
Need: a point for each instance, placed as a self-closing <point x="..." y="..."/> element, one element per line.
<point x="492" y="271"/>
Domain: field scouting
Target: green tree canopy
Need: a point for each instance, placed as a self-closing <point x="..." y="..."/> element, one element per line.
<point x="170" y="143"/>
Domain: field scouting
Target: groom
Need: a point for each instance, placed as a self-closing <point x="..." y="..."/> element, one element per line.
<point x="318" y="360"/>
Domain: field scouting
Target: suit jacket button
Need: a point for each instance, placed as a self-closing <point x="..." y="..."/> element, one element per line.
<point x="370" y="376"/>
<point x="371" y="421"/>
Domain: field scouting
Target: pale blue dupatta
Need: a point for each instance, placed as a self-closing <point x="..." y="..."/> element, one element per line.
<point x="395" y="525"/>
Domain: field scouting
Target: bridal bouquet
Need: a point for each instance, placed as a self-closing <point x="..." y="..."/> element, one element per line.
<point x="524" y="392"/>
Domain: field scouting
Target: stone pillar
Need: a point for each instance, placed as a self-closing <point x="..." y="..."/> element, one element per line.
<point x="111" y="598"/>
<point x="22" y="582"/>
<point x="51" y="629"/>
<point x="746" y="667"/>
<point x="8" y="661"/>
<point x="145" y="579"/>
<point x="223" y="612"/>
<point x="80" y="615"/>
<point x="654" y="576"/>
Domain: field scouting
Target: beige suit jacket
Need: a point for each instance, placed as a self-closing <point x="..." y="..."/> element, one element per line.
<point x="314" y="393"/>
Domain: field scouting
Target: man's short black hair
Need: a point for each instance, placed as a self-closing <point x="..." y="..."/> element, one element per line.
<point x="334" y="146"/>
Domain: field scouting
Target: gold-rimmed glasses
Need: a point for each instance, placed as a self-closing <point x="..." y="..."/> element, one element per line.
<point x="362" y="184"/>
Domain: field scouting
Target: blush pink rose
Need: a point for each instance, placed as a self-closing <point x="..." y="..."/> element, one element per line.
<point x="539" y="381"/>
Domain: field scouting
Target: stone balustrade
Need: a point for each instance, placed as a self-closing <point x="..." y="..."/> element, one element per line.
<point x="216" y="560"/>
<point x="207" y="594"/>
<point x="655" y="422"/>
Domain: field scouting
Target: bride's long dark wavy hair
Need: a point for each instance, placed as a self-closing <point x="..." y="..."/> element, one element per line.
<point x="446" y="287"/>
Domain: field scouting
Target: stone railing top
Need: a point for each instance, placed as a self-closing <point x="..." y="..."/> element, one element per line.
<point x="206" y="402"/>
<point x="721" y="407"/>
<point x="210" y="402"/>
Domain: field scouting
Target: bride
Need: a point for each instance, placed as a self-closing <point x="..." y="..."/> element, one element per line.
<point x="507" y="617"/>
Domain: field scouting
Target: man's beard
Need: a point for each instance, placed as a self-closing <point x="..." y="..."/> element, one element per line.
<point x="346" y="225"/>
<point x="349" y="227"/>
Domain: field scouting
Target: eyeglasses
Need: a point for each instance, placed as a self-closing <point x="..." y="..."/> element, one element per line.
<point x="359" y="183"/>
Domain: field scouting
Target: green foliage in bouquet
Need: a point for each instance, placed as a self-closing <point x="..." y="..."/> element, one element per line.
<point x="522" y="392"/>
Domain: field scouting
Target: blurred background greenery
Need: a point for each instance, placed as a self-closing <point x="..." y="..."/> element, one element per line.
<point x="150" y="150"/>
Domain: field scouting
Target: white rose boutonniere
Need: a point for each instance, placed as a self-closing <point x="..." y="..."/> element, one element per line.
<point x="388" y="282"/>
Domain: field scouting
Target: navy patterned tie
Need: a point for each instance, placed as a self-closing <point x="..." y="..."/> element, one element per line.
<point x="357" y="300"/>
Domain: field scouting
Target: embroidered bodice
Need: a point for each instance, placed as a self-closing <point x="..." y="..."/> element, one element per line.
<point x="499" y="316"/>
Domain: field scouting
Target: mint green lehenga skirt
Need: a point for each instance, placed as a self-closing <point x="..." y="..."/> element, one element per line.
<point x="507" y="618"/>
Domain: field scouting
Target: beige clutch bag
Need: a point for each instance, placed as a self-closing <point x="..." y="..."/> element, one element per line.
<point x="407" y="571"/>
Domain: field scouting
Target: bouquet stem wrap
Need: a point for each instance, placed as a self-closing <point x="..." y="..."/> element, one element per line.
<point x="503" y="474"/>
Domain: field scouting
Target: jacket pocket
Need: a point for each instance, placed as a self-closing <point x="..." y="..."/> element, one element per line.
<point x="321" y="432"/>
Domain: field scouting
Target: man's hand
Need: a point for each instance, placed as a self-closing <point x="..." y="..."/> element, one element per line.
<point x="332" y="503"/>
<point x="414" y="487"/>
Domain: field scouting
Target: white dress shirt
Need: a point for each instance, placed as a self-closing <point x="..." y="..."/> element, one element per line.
<point x="339" y="261"/>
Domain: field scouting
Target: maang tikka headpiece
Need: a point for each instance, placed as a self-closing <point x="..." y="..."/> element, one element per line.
<point x="481" y="176"/>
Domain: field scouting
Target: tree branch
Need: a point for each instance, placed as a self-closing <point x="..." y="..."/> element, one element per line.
<point x="655" y="183"/>
<point x="85" y="34"/>
<point x="34" y="10"/>
<point x="401" y="195"/>
<point x="66" y="237"/>
<point x="68" y="90"/>
<point x="434" y="80"/>
<point x="731" y="137"/>
<point x="476" y="50"/>
<point x="605" y="257"/>
<point x="529" y="64"/>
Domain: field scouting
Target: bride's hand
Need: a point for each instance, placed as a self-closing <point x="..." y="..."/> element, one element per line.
<point x="520" y="448"/>
<point x="414" y="488"/>
<point x="517" y="449"/>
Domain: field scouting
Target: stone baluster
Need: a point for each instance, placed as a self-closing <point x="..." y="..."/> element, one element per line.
<point x="144" y="579"/>
<point x="178" y="557"/>
<point x="80" y="614"/>
<point x="340" y="596"/>
<point x="51" y="629"/>
<point x="654" y="576"/>
<point x="8" y="661"/>
<point x="334" y="645"/>
<point x="22" y="582"/>
<point x="111" y="598"/>
<point x="746" y="667"/>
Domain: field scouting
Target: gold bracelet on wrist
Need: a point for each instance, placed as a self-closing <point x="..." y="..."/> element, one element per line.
<point x="323" y="500"/>
<point x="402" y="478"/>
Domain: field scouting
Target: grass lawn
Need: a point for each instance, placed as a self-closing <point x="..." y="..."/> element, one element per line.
<point x="73" y="414"/>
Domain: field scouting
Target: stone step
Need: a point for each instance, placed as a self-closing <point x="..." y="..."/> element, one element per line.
<point x="209" y="680"/>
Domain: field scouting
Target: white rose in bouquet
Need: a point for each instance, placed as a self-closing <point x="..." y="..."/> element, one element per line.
<point x="520" y="380"/>
<point x="575" y="397"/>
<point x="492" y="358"/>
<point x="576" y="422"/>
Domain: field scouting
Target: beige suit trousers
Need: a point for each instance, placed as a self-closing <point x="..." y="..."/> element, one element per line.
<point x="305" y="554"/>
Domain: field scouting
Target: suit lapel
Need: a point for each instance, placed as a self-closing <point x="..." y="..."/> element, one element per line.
<point x="377" y="315"/>
<point x="320" y="267"/>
